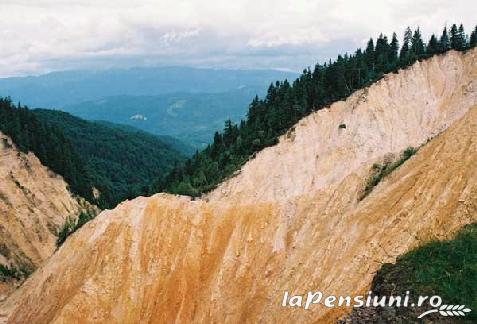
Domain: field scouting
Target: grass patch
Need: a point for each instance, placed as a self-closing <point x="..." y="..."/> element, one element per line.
<point x="444" y="268"/>
<point x="72" y="226"/>
<point x="379" y="171"/>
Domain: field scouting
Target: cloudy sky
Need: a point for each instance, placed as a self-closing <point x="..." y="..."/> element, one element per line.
<point x="39" y="36"/>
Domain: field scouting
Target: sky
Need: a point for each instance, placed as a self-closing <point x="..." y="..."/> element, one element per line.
<point x="40" y="36"/>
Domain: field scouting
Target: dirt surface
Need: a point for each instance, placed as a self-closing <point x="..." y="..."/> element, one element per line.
<point x="34" y="204"/>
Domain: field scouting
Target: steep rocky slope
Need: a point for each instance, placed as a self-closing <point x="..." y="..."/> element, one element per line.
<point x="290" y="221"/>
<point x="400" y="110"/>
<point x="34" y="203"/>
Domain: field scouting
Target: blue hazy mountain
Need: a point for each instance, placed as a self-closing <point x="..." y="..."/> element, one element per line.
<point x="186" y="103"/>
<point x="58" y="89"/>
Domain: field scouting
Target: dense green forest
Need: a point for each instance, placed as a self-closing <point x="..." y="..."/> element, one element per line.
<point x="176" y="144"/>
<point x="48" y="143"/>
<point x="286" y="103"/>
<point x="120" y="161"/>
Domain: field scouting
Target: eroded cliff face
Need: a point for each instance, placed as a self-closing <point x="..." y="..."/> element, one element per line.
<point x="399" y="111"/>
<point x="34" y="204"/>
<point x="291" y="221"/>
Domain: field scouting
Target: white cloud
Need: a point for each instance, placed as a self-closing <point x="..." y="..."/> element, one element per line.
<point x="41" y="35"/>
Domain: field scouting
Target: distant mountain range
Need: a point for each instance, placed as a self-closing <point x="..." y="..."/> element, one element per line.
<point x="58" y="89"/>
<point x="183" y="102"/>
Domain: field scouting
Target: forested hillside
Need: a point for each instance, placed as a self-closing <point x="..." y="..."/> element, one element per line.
<point x="48" y="143"/>
<point x="121" y="163"/>
<point x="174" y="143"/>
<point x="190" y="117"/>
<point x="286" y="103"/>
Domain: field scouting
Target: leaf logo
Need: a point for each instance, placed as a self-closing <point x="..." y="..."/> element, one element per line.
<point x="453" y="310"/>
<point x="448" y="311"/>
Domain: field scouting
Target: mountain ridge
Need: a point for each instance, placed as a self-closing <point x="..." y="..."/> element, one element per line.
<point x="57" y="89"/>
<point x="231" y="256"/>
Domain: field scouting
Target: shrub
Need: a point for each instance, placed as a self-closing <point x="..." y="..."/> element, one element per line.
<point x="70" y="226"/>
<point x="380" y="171"/>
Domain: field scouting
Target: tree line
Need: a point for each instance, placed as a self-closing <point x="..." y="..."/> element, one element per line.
<point x="286" y="103"/>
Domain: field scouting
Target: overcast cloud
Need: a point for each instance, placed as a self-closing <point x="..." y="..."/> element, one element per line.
<point x="38" y="36"/>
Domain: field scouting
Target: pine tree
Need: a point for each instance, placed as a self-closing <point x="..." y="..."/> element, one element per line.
<point x="370" y="55"/>
<point x="462" y="40"/>
<point x="382" y="54"/>
<point x="393" y="52"/>
<point x="417" y="46"/>
<point x="457" y="37"/>
<point x="473" y="38"/>
<point x="444" y="41"/>
<point x="405" y="48"/>
<point x="433" y="46"/>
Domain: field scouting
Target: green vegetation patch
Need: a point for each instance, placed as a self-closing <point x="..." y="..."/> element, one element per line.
<point x="71" y="226"/>
<point x="444" y="268"/>
<point x="122" y="162"/>
<point x="48" y="143"/>
<point x="379" y="171"/>
<point x="12" y="273"/>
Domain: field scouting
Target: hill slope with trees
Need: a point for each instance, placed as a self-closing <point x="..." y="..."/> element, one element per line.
<point x="48" y="143"/>
<point x="191" y="117"/>
<point x="121" y="163"/>
<point x="286" y="103"/>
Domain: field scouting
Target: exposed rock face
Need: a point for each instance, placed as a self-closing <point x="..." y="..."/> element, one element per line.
<point x="291" y="221"/>
<point x="34" y="203"/>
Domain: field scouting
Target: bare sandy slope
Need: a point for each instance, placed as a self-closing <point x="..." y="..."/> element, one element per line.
<point x="290" y="221"/>
<point x="34" y="203"/>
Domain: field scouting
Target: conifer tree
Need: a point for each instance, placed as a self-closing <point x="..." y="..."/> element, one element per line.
<point x="473" y="38"/>
<point x="393" y="51"/>
<point x="457" y="37"/>
<point x="286" y="103"/>
<point x="462" y="40"/>
<point x="405" y="48"/>
<point x="417" y="46"/>
<point x="382" y="54"/>
<point x="432" y="46"/>
<point x="369" y="55"/>
<point x="444" y="41"/>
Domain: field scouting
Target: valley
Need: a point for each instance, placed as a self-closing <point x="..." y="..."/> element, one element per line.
<point x="229" y="256"/>
<point x="356" y="175"/>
